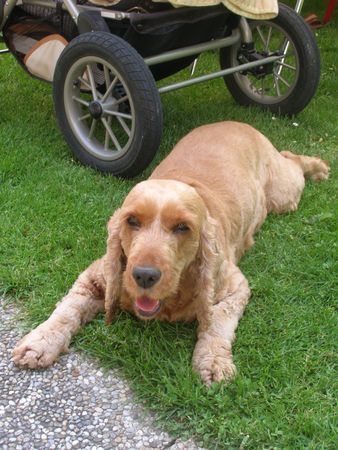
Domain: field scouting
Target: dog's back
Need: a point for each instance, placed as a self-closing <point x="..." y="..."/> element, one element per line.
<point x="214" y="151"/>
<point x="239" y="174"/>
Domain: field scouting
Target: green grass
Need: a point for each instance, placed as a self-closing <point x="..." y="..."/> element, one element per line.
<point x="53" y="213"/>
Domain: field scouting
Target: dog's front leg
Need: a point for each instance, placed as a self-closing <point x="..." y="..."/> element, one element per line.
<point x="42" y="346"/>
<point x="212" y="357"/>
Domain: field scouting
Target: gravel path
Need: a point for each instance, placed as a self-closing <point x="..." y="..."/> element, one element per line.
<point x="72" y="405"/>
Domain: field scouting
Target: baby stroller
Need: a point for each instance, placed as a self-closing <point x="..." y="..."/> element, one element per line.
<point x="104" y="62"/>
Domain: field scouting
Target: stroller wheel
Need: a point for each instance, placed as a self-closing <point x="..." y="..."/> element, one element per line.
<point x="286" y="86"/>
<point x="107" y="104"/>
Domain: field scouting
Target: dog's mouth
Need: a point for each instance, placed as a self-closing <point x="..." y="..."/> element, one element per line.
<point x="146" y="306"/>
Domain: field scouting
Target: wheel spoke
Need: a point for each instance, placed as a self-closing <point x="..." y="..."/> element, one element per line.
<point x="123" y="125"/>
<point x="106" y="76"/>
<point x="106" y="140"/>
<point x="85" y="83"/>
<point x="92" y="82"/>
<point x="121" y="100"/>
<point x="282" y="44"/>
<point x="79" y="100"/>
<point x="88" y="86"/>
<point x="92" y="128"/>
<point x="261" y="36"/>
<point x="119" y="114"/>
<point x="276" y="84"/>
<point x="284" y="50"/>
<point x="111" y="87"/>
<point x="288" y="54"/>
<point x="262" y="86"/>
<point x="286" y="47"/>
<point x="107" y="136"/>
<point x="282" y="79"/>
<point x="286" y="65"/>
<point x="86" y="116"/>
<point x="111" y="134"/>
<point x="268" y="39"/>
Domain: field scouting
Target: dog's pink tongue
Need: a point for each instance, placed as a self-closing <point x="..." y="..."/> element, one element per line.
<point x="147" y="304"/>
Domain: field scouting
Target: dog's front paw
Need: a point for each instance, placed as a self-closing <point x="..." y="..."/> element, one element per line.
<point x="39" y="349"/>
<point x="213" y="360"/>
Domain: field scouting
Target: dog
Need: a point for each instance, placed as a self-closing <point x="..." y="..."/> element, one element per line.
<point x="174" y="245"/>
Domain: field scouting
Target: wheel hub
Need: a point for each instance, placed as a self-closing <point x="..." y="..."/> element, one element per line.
<point x="95" y="109"/>
<point x="249" y="54"/>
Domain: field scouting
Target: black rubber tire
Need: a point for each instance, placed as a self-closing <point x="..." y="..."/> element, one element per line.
<point x="143" y="91"/>
<point x="309" y="65"/>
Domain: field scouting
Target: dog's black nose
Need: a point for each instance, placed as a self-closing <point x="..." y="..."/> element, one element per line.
<point x="146" y="276"/>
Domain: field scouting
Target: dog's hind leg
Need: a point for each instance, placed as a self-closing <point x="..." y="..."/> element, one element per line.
<point x="42" y="346"/>
<point x="212" y="357"/>
<point x="287" y="175"/>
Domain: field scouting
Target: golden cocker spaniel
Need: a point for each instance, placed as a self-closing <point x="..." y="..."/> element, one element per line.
<point x="174" y="245"/>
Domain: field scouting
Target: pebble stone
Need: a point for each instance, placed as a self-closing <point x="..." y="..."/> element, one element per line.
<point x="71" y="405"/>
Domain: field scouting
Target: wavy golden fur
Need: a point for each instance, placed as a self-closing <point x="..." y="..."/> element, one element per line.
<point x="174" y="245"/>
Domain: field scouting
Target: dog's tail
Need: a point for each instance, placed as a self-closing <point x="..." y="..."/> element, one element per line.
<point x="312" y="167"/>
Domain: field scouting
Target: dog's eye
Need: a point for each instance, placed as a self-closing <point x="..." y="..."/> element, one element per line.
<point x="133" y="222"/>
<point x="181" y="228"/>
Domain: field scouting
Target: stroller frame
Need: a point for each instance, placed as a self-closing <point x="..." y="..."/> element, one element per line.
<point x="243" y="35"/>
<point x="137" y="102"/>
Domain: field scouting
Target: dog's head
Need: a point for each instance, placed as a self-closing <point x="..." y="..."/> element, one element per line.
<point x="159" y="231"/>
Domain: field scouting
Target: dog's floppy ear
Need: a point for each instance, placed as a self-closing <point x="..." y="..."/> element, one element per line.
<point x="208" y="260"/>
<point x="113" y="266"/>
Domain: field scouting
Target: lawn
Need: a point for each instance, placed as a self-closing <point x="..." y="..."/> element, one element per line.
<point x="53" y="213"/>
